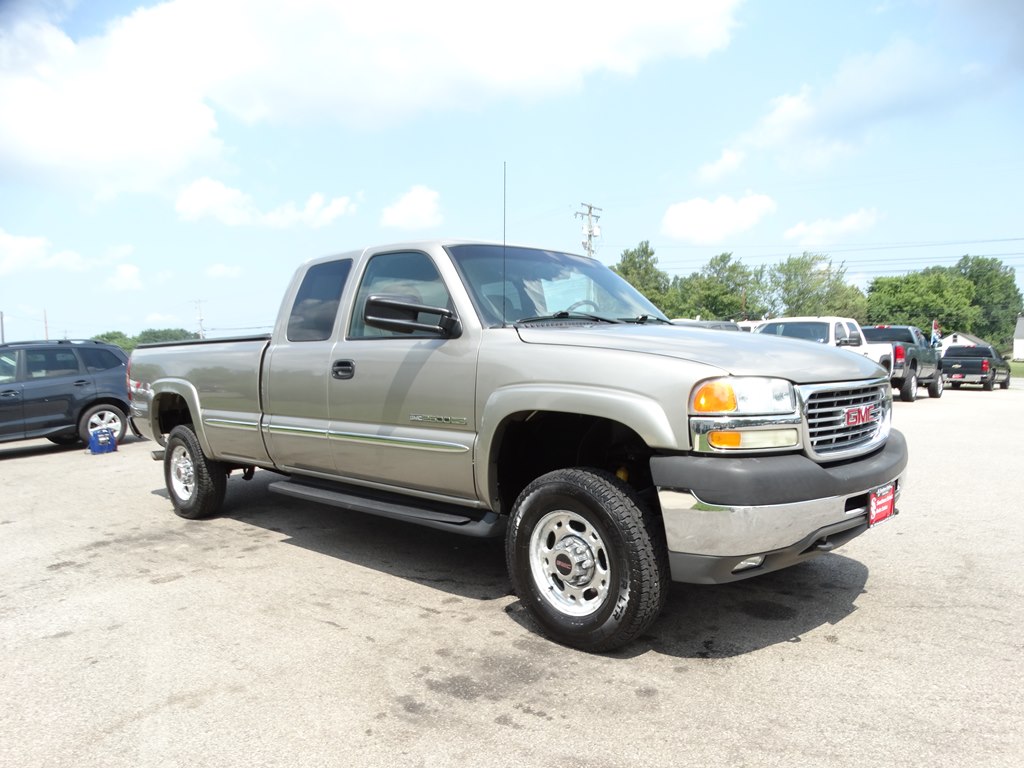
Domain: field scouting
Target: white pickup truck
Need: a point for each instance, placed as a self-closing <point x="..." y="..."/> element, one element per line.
<point x="495" y="390"/>
<point x="834" y="331"/>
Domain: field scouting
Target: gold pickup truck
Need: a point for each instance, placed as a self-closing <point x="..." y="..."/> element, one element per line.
<point x="496" y="390"/>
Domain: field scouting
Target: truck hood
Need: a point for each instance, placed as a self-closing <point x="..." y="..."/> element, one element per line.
<point x="736" y="353"/>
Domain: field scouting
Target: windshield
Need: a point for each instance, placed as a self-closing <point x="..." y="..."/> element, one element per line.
<point x="509" y="284"/>
<point x="801" y="329"/>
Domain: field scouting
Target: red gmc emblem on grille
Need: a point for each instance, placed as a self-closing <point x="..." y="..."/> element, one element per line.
<point x="854" y="417"/>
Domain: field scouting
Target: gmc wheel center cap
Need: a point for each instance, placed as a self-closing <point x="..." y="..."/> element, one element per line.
<point x="574" y="561"/>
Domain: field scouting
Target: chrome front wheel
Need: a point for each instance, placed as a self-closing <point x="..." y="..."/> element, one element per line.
<point x="587" y="558"/>
<point x="569" y="563"/>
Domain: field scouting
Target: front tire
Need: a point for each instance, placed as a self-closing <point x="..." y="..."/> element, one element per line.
<point x="1005" y="383"/>
<point x="587" y="559"/>
<point x="195" y="483"/>
<point x="935" y="386"/>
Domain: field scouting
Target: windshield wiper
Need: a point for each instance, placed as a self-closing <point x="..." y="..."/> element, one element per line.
<point x="643" y="319"/>
<point x="566" y="315"/>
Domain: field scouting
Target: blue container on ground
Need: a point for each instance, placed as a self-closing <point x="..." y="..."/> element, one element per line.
<point x="102" y="440"/>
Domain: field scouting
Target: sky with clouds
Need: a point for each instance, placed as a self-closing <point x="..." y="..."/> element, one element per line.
<point x="169" y="160"/>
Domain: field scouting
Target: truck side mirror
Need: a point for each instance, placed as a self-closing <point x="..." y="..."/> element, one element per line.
<point x="394" y="313"/>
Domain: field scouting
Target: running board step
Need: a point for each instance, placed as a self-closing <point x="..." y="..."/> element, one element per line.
<point x="431" y="516"/>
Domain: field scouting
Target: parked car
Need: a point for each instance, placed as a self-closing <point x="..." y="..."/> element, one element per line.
<point x="976" y="364"/>
<point x="62" y="390"/>
<point x="834" y="331"/>
<point x="916" y="362"/>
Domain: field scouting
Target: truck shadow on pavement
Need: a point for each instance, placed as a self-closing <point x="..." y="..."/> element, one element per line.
<point x="699" y="622"/>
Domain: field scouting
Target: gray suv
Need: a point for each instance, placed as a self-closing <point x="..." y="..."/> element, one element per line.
<point x="61" y="390"/>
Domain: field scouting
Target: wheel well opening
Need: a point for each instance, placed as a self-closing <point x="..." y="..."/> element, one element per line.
<point x="121" y="405"/>
<point x="534" y="443"/>
<point x="171" y="411"/>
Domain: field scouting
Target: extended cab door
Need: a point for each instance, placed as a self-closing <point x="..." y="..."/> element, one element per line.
<point x="402" y="404"/>
<point x="297" y="373"/>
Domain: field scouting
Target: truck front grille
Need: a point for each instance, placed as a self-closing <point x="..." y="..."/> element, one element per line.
<point x="844" y="420"/>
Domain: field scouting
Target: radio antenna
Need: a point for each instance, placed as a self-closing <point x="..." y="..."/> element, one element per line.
<point x="504" y="218"/>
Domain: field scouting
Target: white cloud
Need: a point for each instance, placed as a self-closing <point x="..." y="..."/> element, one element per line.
<point x="135" y="106"/>
<point x="222" y="270"/>
<point x="314" y="214"/>
<point x="827" y="231"/>
<point x="708" y="222"/>
<point x="19" y="253"/>
<point x="416" y="209"/>
<point x="208" y="198"/>
<point x="814" y="125"/>
<point x="729" y="161"/>
<point x="126" y="277"/>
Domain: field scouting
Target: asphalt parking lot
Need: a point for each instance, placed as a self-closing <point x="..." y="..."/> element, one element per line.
<point x="288" y="634"/>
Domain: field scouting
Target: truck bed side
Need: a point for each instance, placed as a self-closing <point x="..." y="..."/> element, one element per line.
<point x="216" y="381"/>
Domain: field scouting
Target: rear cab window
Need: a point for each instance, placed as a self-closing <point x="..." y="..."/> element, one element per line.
<point x="316" y="303"/>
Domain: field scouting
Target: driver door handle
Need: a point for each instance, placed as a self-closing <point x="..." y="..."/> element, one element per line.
<point x="343" y="369"/>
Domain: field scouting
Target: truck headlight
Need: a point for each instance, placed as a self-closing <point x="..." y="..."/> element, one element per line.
<point x="744" y="414"/>
<point x="750" y="396"/>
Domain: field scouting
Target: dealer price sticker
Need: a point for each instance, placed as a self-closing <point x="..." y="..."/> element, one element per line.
<point x="882" y="504"/>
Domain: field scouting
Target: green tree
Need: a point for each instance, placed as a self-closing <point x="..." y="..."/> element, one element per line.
<point x="724" y="289"/>
<point x="639" y="267"/>
<point x="995" y="295"/>
<point x="127" y="343"/>
<point x="154" y="335"/>
<point x="148" y="336"/>
<point x="810" y="285"/>
<point x="936" y="293"/>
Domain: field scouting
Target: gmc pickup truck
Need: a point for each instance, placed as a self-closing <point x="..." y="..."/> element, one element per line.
<point x="507" y="391"/>
<point x="915" y="360"/>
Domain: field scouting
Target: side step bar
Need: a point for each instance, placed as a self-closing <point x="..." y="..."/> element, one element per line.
<point x="491" y="525"/>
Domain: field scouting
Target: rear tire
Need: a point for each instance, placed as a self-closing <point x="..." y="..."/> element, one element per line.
<point x="103" y="417"/>
<point x="989" y="385"/>
<point x="908" y="390"/>
<point x="195" y="483"/>
<point x="587" y="559"/>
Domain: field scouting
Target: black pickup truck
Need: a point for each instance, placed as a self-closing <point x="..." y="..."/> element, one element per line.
<point x="979" y="364"/>
<point x="915" y="361"/>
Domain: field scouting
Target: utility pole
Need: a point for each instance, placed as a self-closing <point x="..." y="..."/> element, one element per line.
<point x="590" y="228"/>
<point x="199" y="311"/>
